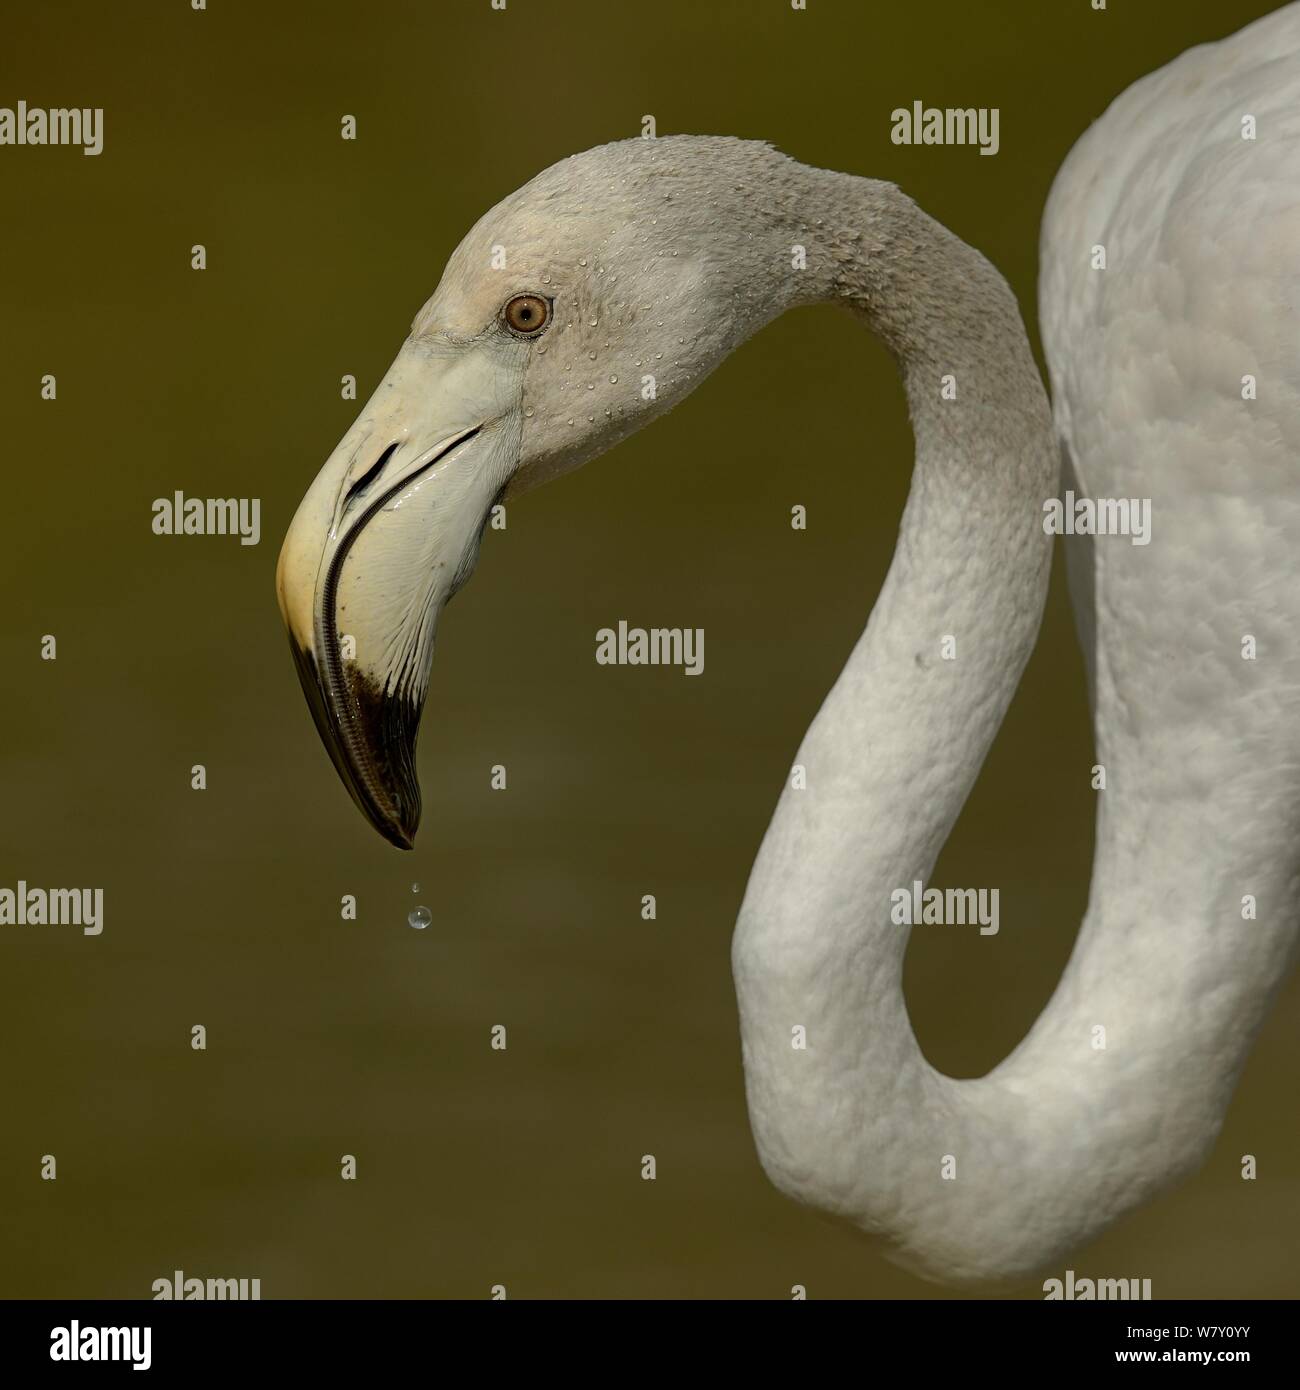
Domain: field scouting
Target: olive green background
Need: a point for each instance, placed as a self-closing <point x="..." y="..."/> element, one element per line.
<point x="222" y="907"/>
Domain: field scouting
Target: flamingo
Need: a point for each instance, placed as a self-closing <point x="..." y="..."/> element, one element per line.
<point x="598" y="295"/>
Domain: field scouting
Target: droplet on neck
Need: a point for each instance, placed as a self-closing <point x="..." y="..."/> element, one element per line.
<point x="419" y="917"/>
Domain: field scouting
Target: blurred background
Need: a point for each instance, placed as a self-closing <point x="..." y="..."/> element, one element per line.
<point x="222" y="908"/>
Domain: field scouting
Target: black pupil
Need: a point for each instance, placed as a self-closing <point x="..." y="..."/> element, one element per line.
<point x="526" y="314"/>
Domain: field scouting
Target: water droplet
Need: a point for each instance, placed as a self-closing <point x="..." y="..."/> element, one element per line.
<point x="592" y="355"/>
<point x="415" y="888"/>
<point x="546" y="279"/>
<point x="582" y="260"/>
<point x="591" y="386"/>
<point x="528" y="411"/>
<point x="570" y="422"/>
<point x="613" y="379"/>
<point x="420" y="917"/>
<point x="591" y="417"/>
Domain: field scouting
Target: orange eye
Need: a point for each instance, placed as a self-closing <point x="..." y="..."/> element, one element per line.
<point x="527" y="314"/>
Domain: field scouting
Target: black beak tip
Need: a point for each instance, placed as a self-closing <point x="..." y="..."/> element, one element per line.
<point x="386" y="789"/>
<point x="397" y="834"/>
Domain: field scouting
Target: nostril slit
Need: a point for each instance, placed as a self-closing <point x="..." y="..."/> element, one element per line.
<point x="371" y="473"/>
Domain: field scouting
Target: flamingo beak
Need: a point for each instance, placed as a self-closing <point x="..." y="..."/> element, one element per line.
<point x="385" y="536"/>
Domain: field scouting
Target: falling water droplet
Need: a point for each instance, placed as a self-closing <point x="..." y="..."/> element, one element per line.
<point x="420" y="917"/>
<point x="415" y="888"/>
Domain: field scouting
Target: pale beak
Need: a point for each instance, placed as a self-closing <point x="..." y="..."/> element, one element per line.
<point x="385" y="536"/>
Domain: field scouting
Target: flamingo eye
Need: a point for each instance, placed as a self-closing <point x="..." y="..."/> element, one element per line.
<point x="527" y="314"/>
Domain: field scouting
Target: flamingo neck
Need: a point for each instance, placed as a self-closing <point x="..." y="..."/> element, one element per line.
<point x="988" y="1180"/>
<point x="857" y="1122"/>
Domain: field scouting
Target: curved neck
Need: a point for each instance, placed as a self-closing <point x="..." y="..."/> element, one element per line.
<point x="925" y="690"/>
<point x="981" y="1180"/>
